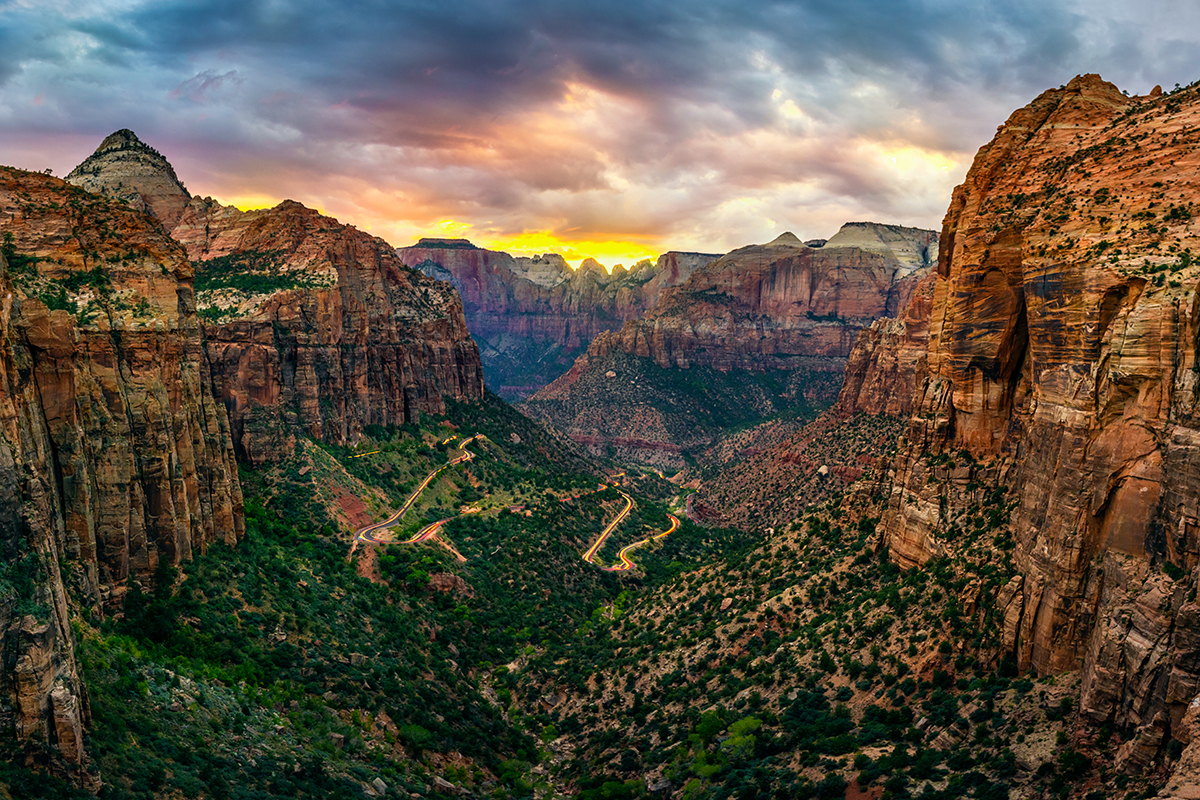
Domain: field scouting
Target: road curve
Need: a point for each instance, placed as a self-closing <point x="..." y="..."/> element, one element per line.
<point x="625" y="564"/>
<point x="369" y="533"/>
<point x="623" y="553"/>
<point x="596" y="545"/>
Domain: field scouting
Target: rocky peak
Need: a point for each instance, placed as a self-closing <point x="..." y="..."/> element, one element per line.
<point x="913" y="248"/>
<point x="125" y="168"/>
<point x="547" y="270"/>
<point x="590" y="266"/>
<point x="433" y="243"/>
<point x="786" y="239"/>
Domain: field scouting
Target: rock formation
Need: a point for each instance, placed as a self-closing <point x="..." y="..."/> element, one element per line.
<point x="1062" y="363"/>
<point x="533" y="316"/>
<point x="779" y="308"/>
<point x="312" y="325"/>
<point x="125" y="168"/>
<point x="318" y="327"/>
<point x="115" y="455"/>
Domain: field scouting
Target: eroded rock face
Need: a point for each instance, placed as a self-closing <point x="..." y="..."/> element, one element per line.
<point x="532" y="316"/>
<point x="125" y="168"/>
<point x="889" y="359"/>
<point x="317" y="326"/>
<point x="114" y="454"/>
<point x="1062" y="358"/>
<point x="781" y="307"/>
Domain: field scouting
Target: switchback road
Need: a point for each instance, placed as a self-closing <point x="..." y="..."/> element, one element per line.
<point x="371" y="532"/>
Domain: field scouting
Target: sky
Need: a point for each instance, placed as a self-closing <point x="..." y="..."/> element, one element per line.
<point x="617" y="129"/>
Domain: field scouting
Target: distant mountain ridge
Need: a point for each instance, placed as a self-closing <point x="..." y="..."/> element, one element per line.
<point x="532" y="316"/>
<point x="781" y="307"/>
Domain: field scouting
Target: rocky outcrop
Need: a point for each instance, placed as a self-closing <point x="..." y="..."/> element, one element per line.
<point x="1062" y="363"/>
<point x="125" y="168"/>
<point x="888" y="360"/>
<point x="761" y="305"/>
<point x="533" y="316"/>
<point x="114" y="455"/>
<point x="784" y="308"/>
<point x="314" y="326"/>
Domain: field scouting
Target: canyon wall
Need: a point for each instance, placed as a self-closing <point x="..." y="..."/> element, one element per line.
<point x="784" y="316"/>
<point x="533" y="316"/>
<point x="312" y="326"/>
<point x="315" y="326"/>
<point x="1062" y="365"/>
<point x="115" y="455"/>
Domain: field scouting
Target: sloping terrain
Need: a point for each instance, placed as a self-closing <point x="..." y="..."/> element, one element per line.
<point x="784" y="314"/>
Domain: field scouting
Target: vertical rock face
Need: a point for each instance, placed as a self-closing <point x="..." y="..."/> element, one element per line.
<point x="114" y="454"/>
<point x="759" y="305"/>
<point x="125" y="168"/>
<point x="312" y="325"/>
<point x="1062" y="356"/>
<point x="532" y="316"/>
<point x="784" y="307"/>
<point x="889" y="359"/>
<point x="316" y="326"/>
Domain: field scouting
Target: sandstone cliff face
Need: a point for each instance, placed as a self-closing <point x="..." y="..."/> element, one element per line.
<point x="784" y="308"/>
<point x="532" y="316"/>
<point x="889" y="360"/>
<point x="312" y="325"/>
<point x="316" y="326"/>
<point x="760" y="305"/>
<point x="1062" y="360"/>
<point x="115" y="455"/>
<point x="125" y="168"/>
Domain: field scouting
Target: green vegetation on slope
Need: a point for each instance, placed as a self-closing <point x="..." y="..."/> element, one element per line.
<point x="274" y="668"/>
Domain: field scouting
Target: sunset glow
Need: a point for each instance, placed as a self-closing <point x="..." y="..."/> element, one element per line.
<point x="592" y="131"/>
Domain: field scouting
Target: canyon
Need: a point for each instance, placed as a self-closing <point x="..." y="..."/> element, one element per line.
<point x="1008" y="447"/>
<point x="533" y="316"/>
<point x="780" y="319"/>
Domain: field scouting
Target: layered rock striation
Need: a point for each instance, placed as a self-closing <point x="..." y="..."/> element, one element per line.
<point x="115" y="456"/>
<point x="1062" y="364"/>
<point x="533" y="316"/>
<point x="784" y="308"/>
<point x="126" y="168"/>
<point x="312" y="326"/>
<point x="315" y="326"/>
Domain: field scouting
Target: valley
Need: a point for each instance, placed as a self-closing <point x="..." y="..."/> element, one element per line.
<point x="288" y="511"/>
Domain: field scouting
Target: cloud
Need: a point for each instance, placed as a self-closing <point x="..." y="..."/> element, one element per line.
<point x="697" y="124"/>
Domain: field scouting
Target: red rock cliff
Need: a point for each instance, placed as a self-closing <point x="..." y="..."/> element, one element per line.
<point x="317" y="326"/>
<point x="1062" y="356"/>
<point x="532" y="316"/>
<point x="114" y="454"/>
<point x="759" y="305"/>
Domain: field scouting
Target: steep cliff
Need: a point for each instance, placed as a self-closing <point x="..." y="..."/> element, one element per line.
<point x="533" y="316"/>
<point x="115" y="456"/>
<point x="315" y="326"/>
<point x="1062" y="365"/>
<point x="774" y="478"/>
<point x="785" y="312"/>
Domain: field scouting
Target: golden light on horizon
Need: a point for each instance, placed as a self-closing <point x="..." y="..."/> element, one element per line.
<point x="608" y="253"/>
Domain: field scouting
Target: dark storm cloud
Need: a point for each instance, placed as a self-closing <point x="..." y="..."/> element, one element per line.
<point x="532" y="114"/>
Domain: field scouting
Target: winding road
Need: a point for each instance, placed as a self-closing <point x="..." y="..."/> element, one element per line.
<point x="623" y="554"/>
<point x="369" y="533"/>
